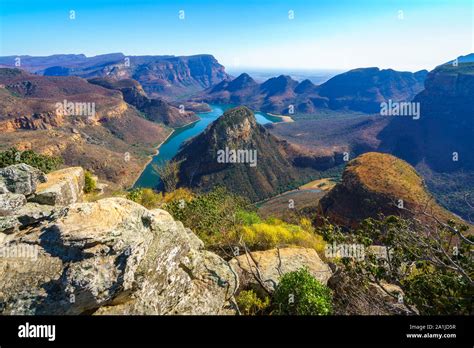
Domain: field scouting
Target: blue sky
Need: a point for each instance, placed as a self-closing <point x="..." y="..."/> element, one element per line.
<point x="332" y="34"/>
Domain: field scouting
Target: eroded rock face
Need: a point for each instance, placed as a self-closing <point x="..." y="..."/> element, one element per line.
<point x="21" y="178"/>
<point x="276" y="262"/>
<point x="113" y="256"/>
<point x="62" y="187"/>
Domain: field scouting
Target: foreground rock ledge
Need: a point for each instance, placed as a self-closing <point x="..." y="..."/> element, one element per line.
<point x="112" y="256"/>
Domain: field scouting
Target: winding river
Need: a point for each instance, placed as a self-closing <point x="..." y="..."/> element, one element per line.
<point x="149" y="178"/>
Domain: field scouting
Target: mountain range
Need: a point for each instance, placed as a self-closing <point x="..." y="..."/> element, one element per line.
<point x="161" y="76"/>
<point x="437" y="144"/>
<point x="440" y="143"/>
<point x="137" y="97"/>
<point x="358" y="90"/>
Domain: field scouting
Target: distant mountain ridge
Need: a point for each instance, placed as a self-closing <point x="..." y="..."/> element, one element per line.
<point x="440" y="143"/>
<point x="360" y="90"/>
<point x="161" y="76"/>
<point x="71" y="61"/>
<point x="365" y="88"/>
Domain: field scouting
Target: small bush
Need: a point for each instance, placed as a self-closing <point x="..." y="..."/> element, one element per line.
<point x="211" y="215"/>
<point x="448" y="295"/>
<point x="42" y="162"/>
<point x="146" y="197"/>
<point x="250" y="304"/>
<point x="179" y="195"/>
<point x="247" y="217"/>
<point x="299" y="293"/>
<point x="89" y="182"/>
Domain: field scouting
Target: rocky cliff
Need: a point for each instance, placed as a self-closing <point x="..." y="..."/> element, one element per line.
<point x="85" y="124"/>
<point x="111" y="256"/>
<point x="156" y="110"/>
<point x="440" y="143"/>
<point x="364" y="89"/>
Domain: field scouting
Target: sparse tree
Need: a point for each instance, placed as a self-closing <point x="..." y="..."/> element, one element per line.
<point x="169" y="174"/>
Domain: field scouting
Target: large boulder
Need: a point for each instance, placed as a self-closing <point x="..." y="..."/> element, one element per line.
<point x="21" y="178"/>
<point x="63" y="187"/>
<point x="113" y="256"/>
<point x="272" y="264"/>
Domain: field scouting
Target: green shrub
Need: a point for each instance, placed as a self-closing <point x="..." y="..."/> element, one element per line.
<point x="420" y="261"/>
<point x="42" y="162"/>
<point x="89" y="182"/>
<point x="247" y="218"/>
<point x="299" y="293"/>
<point x="210" y="215"/>
<point x="250" y="304"/>
<point x="222" y="220"/>
<point x="447" y="294"/>
<point x="146" y="197"/>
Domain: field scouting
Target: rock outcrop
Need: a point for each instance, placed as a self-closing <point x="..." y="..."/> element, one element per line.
<point x="62" y="187"/>
<point x="272" y="264"/>
<point x="9" y="202"/>
<point x="28" y="196"/>
<point x="27" y="215"/>
<point x="21" y="178"/>
<point x="113" y="256"/>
